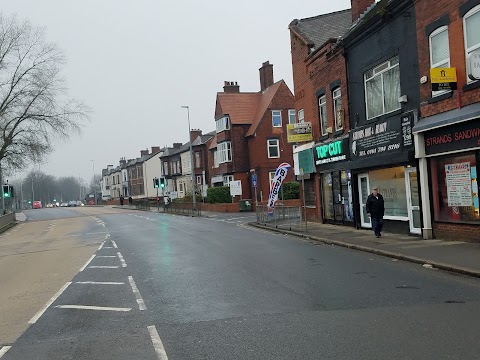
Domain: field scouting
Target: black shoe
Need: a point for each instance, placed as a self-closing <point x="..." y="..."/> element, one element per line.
<point x="377" y="236"/>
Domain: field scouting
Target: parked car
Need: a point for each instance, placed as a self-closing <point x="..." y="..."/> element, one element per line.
<point x="91" y="202"/>
<point x="79" y="203"/>
<point x="72" y="203"/>
<point x="37" y="204"/>
<point x="64" y="204"/>
<point x="49" y="205"/>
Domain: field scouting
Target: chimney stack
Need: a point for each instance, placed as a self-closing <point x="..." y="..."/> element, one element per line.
<point x="359" y="7"/>
<point x="231" y="87"/>
<point x="266" y="75"/>
<point x="143" y="152"/>
<point x="177" y="145"/>
<point x="122" y="162"/>
<point x="194" y="133"/>
<point x="155" y="149"/>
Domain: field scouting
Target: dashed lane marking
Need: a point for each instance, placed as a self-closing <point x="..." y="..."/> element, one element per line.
<point x="106" y="256"/>
<point x="122" y="260"/>
<point x="87" y="307"/>
<point x="108" y="247"/>
<point x="157" y="343"/>
<point x="99" y="283"/>
<point x="114" y="244"/>
<point x="103" y="267"/>
<point x="34" y="319"/>
<point x="88" y="262"/>
<point x="140" y="302"/>
<point x="4" y="349"/>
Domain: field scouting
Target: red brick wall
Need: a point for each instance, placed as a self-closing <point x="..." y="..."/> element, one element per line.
<point x="428" y="11"/>
<point x="241" y="160"/>
<point x="459" y="232"/>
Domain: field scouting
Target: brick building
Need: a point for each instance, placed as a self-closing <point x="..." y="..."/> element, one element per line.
<point x="251" y="134"/>
<point x="321" y="98"/>
<point x="447" y="137"/>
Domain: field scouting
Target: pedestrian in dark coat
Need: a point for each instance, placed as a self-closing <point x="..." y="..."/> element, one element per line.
<point x="376" y="210"/>
<point x="122" y="199"/>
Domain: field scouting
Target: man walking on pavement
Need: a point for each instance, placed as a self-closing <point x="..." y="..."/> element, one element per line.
<point x="376" y="210"/>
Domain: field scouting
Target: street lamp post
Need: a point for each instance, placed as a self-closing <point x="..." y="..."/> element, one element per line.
<point x="94" y="182"/>
<point x="191" y="160"/>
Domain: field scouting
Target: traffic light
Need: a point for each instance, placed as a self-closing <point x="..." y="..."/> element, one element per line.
<point x="156" y="183"/>
<point x="6" y="191"/>
<point x="162" y="182"/>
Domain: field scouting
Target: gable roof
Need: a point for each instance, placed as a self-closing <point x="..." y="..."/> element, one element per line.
<point x="317" y="30"/>
<point x="265" y="101"/>
<point x="241" y="107"/>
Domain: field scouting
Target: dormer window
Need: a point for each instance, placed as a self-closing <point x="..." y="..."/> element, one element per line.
<point x="223" y="124"/>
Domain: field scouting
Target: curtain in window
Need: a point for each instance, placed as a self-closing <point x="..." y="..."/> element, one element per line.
<point x="391" y="87"/>
<point x="374" y="97"/>
<point x="473" y="30"/>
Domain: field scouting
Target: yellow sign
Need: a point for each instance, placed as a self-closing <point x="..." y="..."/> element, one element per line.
<point x="443" y="75"/>
<point x="299" y="132"/>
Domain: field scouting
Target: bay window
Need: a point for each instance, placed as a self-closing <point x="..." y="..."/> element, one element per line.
<point x="223" y="124"/>
<point x="224" y="152"/>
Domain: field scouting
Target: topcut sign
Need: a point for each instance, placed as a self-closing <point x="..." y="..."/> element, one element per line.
<point x="331" y="152"/>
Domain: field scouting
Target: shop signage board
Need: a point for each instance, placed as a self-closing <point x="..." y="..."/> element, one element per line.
<point x="299" y="132"/>
<point x="332" y="152"/>
<point x="460" y="136"/>
<point x="459" y="184"/>
<point x="474" y="68"/>
<point x="236" y="188"/>
<point x="382" y="137"/>
<point x="443" y="79"/>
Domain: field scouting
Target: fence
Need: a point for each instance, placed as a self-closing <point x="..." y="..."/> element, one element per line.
<point x="183" y="208"/>
<point x="6" y="220"/>
<point x="142" y="204"/>
<point x="283" y="217"/>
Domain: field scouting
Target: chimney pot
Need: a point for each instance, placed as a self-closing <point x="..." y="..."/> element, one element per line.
<point x="231" y="87"/>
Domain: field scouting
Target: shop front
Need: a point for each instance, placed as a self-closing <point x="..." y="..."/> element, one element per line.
<point x="331" y="161"/>
<point x="382" y="156"/>
<point x="304" y="170"/>
<point x="451" y="154"/>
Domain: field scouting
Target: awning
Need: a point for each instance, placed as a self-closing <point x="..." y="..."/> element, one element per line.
<point x="447" y="118"/>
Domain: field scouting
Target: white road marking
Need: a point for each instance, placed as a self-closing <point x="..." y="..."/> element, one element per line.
<point x="87" y="307"/>
<point x="157" y="343"/>
<point x="122" y="260"/>
<point x="103" y="267"/>
<point x="3" y="350"/>
<point x="114" y="244"/>
<point x="100" y="283"/>
<point x="101" y="245"/>
<point x="107" y="236"/>
<point x="106" y="256"/>
<point x="34" y="319"/>
<point x="140" y="302"/>
<point x="86" y="264"/>
<point x="108" y="247"/>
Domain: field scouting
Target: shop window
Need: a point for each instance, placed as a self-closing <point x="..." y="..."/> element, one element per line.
<point x="382" y="88"/>
<point x="471" y="26"/>
<point x="327" y="196"/>
<point x="391" y="185"/>
<point x="455" y="188"/>
<point x="439" y="51"/>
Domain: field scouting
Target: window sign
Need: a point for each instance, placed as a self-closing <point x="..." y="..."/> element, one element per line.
<point x="459" y="184"/>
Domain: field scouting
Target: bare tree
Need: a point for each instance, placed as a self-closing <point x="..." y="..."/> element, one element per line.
<point x="34" y="104"/>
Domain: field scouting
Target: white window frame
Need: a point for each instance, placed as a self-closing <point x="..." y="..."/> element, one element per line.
<point x="269" y="145"/>
<point x="227" y="179"/>
<point x="292" y="116"/>
<point x="301" y="116"/>
<point x="322" y="105"/>
<point x="216" y="163"/>
<point x="472" y="12"/>
<point x="199" y="180"/>
<point x="223" y="124"/>
<point x="271" y="176"/>
<point x="277" y="113"/>
<point x="197" y="159"/>
<point x="438" y="64"/>
<point x="379" y="70"/>
<point x="337" y="97"/>
<point x="224" y="152"/>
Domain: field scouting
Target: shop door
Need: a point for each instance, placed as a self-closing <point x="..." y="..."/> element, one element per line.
<point x="364" y="191"/>
<point x="337" y="198"/>
<point x="413" y="201"/>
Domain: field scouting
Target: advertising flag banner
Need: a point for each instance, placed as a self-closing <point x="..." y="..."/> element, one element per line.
<point x="277" y="181"/>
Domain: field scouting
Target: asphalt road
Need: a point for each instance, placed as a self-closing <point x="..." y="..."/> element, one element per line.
<point x="193" y="288"/>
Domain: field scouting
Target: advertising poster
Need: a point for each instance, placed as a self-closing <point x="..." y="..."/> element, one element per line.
<point x="459" y="184"/>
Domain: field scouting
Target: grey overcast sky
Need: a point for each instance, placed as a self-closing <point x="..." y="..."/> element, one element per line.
<point x="135" y="62"/>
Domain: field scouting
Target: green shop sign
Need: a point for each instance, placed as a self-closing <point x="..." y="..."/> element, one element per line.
<point x="332" y="152"/>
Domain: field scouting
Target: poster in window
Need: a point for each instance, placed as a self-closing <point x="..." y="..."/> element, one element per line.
<point x="459" y="184"/>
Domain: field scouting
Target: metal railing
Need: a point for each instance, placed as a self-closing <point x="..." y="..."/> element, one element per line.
<point x="7" y="220"/>
<point x="283" y="217"/>
<point x="142" y="204"/>
<point x="182" y="208"/>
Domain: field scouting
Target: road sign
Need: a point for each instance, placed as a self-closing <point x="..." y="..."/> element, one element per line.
<point x="254" y="180"/>
<point x="443" y="79"/>
<point x="236" y="188"/>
